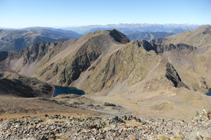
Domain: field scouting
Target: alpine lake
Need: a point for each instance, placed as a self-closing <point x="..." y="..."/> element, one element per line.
<point x="67" y="90"/>
<point x="209" y="92"/>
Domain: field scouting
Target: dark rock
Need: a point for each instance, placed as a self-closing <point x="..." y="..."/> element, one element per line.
<point x="109" y="104"/>
<point x="119" y="37"/>
<point x="174" y="77"/>
<point x="44" y="138"/>
<point x="90" y="105"/>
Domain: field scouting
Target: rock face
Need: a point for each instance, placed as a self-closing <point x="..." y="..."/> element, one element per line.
<point x="119" y="37"/>
<point x="172" y="75"/>
<point x="171" y="47"/>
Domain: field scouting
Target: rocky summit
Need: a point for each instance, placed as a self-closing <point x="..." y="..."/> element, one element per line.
<point x="124" y="127"/>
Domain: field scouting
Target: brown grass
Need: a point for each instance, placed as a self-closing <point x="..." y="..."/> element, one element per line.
<point x="18" y="107"/>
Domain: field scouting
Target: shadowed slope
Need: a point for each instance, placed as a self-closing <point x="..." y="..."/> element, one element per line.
<point x="21" y="86"/>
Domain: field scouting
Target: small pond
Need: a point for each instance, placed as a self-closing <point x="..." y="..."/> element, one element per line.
<point x="209" y="92"/>
<point x="67" y="90"/>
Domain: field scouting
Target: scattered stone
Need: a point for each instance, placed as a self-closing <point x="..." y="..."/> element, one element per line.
<point x="163" y="137"/>
<point x="118" y="127"/>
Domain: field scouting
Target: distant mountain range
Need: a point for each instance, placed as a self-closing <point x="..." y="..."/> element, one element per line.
<point x="17" y="39"/>
<point x="20" y="39"/>
<point x="148" y="35"/>
<point x="131" y="28"/>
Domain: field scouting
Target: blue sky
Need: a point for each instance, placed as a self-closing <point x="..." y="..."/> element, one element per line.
<point x="67" y="13"/>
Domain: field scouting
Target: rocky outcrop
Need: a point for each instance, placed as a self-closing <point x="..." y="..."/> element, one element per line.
<point x="119" y="37"/>
<point x="183" y="48"/>
<point x="203" y="83"/>
<point x="28" y="60"/>
<point x="147" y="46"/>
<point x="35" y="52"/>
<point x="31" y="54"/>
<point x="174" y="77"/>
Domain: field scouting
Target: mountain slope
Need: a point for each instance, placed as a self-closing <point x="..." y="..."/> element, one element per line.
<point x="21" y="86"/>
<point x="198" y="37"/>
<point x="86" y="50"/>
<point x="192" y="60"/>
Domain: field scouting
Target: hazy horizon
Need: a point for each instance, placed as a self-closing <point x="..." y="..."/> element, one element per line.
<point x="102" y="25"/>
<point x="70" y="13"/>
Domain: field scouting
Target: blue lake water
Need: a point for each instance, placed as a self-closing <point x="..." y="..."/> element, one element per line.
<point x="67" y="90"/>
<point x="209" y="93"/>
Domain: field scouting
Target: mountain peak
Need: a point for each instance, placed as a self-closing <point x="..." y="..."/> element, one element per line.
<point x="118" y="36"/>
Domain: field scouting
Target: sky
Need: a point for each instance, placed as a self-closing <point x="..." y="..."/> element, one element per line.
<point x="73" y="13"/>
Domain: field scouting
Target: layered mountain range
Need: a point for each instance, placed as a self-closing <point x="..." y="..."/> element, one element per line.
<point x="148" y="35"/>
<point x="161" y="76"/>
<point x="131" y="28"/>
<point x="21" y="39"/>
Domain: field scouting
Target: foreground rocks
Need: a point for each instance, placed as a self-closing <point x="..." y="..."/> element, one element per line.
<point x="124" y="127"/>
